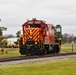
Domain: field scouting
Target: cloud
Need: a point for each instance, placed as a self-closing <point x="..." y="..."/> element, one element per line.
<point x="15" y="12"/>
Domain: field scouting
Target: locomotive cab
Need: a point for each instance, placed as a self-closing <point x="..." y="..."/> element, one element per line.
<point x="58" y="33"/>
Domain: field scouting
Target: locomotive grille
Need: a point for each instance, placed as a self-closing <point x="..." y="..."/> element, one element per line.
<point x="32" y="33"/>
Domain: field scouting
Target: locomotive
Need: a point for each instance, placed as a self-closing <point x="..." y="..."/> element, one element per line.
<point x="39" y="37"/>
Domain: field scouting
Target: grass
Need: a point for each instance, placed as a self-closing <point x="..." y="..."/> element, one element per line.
<point x="57" y="67"/>
<point x="68" y="47"/>
<point x="49" y="67"/>
<point x="11" y="52"/>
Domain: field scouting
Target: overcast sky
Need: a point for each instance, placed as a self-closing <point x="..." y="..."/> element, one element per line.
<point x="13" y="13"/>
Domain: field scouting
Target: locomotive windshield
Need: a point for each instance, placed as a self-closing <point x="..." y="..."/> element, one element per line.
<point x="58" y="30"/>
<point x="34" y="25"/>
<point x="37" y="25"/>
<point x="31" y="25"/>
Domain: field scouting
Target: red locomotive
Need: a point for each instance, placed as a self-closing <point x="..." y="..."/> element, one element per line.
<point x="40" y="38"/>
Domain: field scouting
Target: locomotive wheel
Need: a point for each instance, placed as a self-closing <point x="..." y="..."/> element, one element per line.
<point x="23" y="50"/>
<point x="56" y="49"/>
<point x="44" y="51"/>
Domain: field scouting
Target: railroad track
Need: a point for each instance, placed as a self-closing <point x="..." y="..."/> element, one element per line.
<point x="34" y="57"/>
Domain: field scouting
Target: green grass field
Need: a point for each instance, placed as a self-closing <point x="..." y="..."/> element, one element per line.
<point x="11" y="52"/>
<point x="50" y="67"/>
<point x="68" y="47"/>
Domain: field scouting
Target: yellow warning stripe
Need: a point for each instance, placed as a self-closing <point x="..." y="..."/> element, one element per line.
<point x="36" y="37"/>
<point x="34" y="34"/>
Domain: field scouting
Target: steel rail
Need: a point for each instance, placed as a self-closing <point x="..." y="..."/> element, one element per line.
<point x="35" y="56"/>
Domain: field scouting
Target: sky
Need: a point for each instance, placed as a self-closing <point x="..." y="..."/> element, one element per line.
<point x="13" y="13"/>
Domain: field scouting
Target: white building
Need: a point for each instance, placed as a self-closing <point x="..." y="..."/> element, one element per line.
<point x="11" y="40"/>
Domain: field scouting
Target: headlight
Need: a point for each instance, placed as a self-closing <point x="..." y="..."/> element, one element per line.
<point x="35" y="42"/>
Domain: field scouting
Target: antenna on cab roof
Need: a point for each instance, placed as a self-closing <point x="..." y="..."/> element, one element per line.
<point x="34" y="18"/>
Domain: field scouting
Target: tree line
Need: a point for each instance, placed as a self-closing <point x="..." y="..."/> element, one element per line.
<point x="3" y="41"/>
<point x="68" y="38"/>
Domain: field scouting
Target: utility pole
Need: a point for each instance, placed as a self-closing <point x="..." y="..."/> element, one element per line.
<point x="72" y="45"/>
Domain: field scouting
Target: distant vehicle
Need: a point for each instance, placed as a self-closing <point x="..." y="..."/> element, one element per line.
<point x="40" y="37"/>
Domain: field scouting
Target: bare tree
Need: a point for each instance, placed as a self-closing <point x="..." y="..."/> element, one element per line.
<point x="67" y="38"/>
